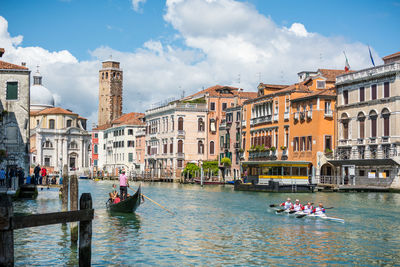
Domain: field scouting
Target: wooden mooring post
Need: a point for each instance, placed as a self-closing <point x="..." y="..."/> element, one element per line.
<point x="64" y="190"/>
<point x="73" y="198"/>
<point x="9" y="223"/>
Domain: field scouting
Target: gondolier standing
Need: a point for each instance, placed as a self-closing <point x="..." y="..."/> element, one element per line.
<point x="123" y="185"/>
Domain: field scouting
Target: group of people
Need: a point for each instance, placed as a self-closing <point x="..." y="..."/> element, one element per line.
<point x="5" y="177"/>
<point x="307" y="209"/>
<point x="40" y="176"/>
<point x="123" y="188"/>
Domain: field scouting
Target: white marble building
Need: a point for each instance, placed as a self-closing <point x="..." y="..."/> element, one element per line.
<point x="57" y="136"/>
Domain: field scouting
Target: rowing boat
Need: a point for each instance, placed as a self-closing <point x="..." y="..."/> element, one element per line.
<point x="307" y="215"/>
<point x="129" y="205"/>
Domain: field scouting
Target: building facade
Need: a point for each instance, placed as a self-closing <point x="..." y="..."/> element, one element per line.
<point x="14" y="115"/>
<point x="368" y="108"/>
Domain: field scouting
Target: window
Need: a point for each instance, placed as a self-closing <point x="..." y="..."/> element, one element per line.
<point x="165" y="148"/>
<point x="130" y="131"/>
<point x="328" y="107"/>
<point x="171" y="148"/>
<point x="212" y="106"/>
<point x="386" y="89"/>
<point x="95" y="149"/>
<point x="46" y="161"/>
<point x="345" y="129"/>
<point x="212" y="148"/>
<point x="345" y="97"/>
<point x="69" y="123"/>
<point x="361" y="125"/>
<point x="224" y="106"/>
<point x="328" y="143"/>
<point x="131" y="143"/>
<point x="51" y="124"/>
<point x="96" y="135"/>
<point x="303" y="143"/>
<point x="180" y="146"/>
<point x="373" y="116"/>
<point x="95" y="162"/>
<point x="180" y="124"/>
<point x="148" y="150"/>
<point x="73" y="145"/>
<point x="362" y="94"/>
<point x="320" y="84"/>
<point x="373" y="91"/>
<point x="200" y="125"/>
<point x="180" y="163"/>
<point x="309" y="143"/>
<point x="106" y="75"/>
<point x="237" y="116"/>
<point x="295" y="144"/>
<point x="221" y="142"/>
<point x="12" y="91"/>
<point x="200" y="147"/>
<point x="212" y="125"/>
<point x="130" y="157"/>
<point x="386" y="122"/>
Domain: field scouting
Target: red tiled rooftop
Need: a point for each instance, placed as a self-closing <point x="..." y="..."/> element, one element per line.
<point x="8" y="66"/>
<point x="391" y="56"/>
<point x="55" y="110"/>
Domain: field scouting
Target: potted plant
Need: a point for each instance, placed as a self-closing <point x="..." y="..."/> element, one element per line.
<point x="328" y="151"/>
<point x="283" y="147"/>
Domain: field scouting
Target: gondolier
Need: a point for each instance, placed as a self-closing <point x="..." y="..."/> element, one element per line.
<point x="123" y="185"/>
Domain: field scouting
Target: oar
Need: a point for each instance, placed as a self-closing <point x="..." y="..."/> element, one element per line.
<point x="281" y="210"/>
<point x="301" y="216"/>
<point x="158" y="204"/>
<point x="273" y="205"/>
<point x="292" y="211"/>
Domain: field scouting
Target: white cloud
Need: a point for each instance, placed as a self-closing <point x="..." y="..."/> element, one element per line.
<point x="136" y="4"/>
<point x="228" y="38"/>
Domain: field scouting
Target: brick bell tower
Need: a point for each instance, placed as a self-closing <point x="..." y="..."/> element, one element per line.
<point x="110" y="92"/>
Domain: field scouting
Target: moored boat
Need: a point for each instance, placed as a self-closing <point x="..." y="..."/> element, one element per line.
<point x="129" y="205"/>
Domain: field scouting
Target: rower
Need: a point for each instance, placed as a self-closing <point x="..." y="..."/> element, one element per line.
<point x="288" y="204"/>
<point x="297" y="206"/>
<point x="308" y="208"/>
<point x="319" y="210"/>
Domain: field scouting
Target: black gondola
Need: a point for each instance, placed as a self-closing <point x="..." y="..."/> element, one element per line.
<point x="129" y="205"/>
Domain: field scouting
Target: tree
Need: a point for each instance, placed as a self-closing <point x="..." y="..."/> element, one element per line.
<point x="190" y="169"/>
<point x="226" y="163"/>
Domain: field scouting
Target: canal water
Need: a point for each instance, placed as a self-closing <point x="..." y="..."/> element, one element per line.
<point x="215" y="225"/>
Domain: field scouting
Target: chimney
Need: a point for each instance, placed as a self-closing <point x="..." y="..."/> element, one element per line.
<point x="1" y="52"/>
<point x="23" y="64"/>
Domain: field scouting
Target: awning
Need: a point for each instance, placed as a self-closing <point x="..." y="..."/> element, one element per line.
<point x="364" y="162"/>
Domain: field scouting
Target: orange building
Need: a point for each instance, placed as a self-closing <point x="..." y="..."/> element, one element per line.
<point x="288" y="129"/>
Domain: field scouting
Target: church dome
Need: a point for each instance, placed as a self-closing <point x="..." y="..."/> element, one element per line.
<point x="41" y="97"/>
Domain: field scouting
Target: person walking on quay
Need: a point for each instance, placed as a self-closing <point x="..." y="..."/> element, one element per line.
<point x="43" y="177"/>
<point x="123" y="185"/>
<point x="21" y="176"/>
<point x="2" y="177"/>
<point x="36" y="171"/>
<point x="11" y="174"/>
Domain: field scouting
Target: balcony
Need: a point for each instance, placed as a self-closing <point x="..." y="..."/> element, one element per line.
<point x="286" y="115"/>
<point x="309" y="114"/>
<point x="180" y="155"/>
<point x="328" y="114"/>
<point x="385" y="139"/>
<point x="243" y="123"/>
<point x="276" y="117"/>
<point x="372" y="140"/>
<point x="264" y="155"/>
<point x="344" y="142"/>
<point x="181" y="134"/>
<point x="302" y="115"/>
<point x="360" y="141"/>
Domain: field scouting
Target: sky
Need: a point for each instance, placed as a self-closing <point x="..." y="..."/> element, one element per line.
<point x="175" y="47"/>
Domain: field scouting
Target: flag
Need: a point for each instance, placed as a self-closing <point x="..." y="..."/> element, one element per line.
<point x="347" y="65"/>
<point x="370" y="55"/>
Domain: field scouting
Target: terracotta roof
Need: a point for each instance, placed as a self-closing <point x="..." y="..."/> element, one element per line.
<point x="81" y="118"/>
<point x="8" y="66"/>
<point x="272" y="86"/>
<point x="102" y="127"/>
<point x="216" y="91"/>
<point x="34" y="112"/>
<point x="391" y="56"/>
<point x="331" y="92"/>
<point x="56" y="110"/>
<point x="330" y="75"/>
<point x="132" y="118"/>
<point x="249" y="95"/>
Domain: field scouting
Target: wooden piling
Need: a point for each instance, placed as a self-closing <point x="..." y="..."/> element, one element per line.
<point x="73" y="183"/>
<point x="6" y="232"/>
<point x="85" y="233"/>
<point x="64" y="190"/>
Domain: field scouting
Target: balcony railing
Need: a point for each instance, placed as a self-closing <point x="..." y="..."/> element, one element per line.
<point x="328" y="113"/>
<point x="181" y="133"/>
<point x="354" y="180"/>
<point x="286" y="115"/>
<point x="344" y="142"/>
<point x="180" y="155"/>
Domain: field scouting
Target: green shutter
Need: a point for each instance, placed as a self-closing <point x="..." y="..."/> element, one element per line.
<point x="12" y="91"/>
<point x="130" y="157"/>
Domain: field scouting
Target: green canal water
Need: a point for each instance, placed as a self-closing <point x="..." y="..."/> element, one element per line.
<point x="215" y="225"/>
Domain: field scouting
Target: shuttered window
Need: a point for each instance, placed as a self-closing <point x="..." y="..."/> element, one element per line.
<point x="180" y="146"/>
<point x="373" y="126"/>
<point x="345" y="97"/>
<point x="386" y="126"/>
<point x="373" y="91"/>
<point x="212" y="147"/>
<point x="386" y="92"/>
<point x="362" y="129"/>
<point x="362" y="94"/>
<point x="12" y="91"/>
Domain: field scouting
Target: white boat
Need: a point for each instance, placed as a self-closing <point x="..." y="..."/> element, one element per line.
<point x="322" y="216"/>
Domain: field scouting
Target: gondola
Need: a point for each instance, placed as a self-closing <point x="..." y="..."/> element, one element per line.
<point x="129" y="205"/>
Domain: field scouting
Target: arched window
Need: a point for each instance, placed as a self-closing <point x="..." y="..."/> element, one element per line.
<point x="47" y="144"/>
<point x="180" y="124"/>
<point x="180" y="146"/>
<point x="200" y="147"/>
<point x="102" y="76"/>
<point x="361" y="125"/>
<point x="52" y="124"/>
<point x="212" y="148"/>
<point x="345" y="126"/>
<point x="373" y="116"/>
<point x="69" y="123"/>
<point x="106" y="75"/>
<point x="200" y="125"/>
<point x="386" y="122"/>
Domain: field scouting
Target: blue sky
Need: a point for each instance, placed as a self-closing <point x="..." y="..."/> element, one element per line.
<point x="80" y="26"/>
<point x="167" y="47"/>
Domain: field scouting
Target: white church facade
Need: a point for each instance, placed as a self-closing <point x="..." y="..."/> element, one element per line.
<point x="58" y="136"/>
